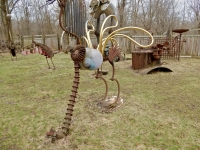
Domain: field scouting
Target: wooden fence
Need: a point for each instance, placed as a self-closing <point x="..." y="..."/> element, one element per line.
<point x="52" y="40"/>
<point x="190" y="47"/>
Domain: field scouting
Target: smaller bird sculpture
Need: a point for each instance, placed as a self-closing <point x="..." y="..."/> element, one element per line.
<point x="46" y="51"/>
<point x="11" y="46"/>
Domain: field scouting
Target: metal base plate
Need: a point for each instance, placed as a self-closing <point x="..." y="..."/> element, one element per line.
<point x="111" y="103"/>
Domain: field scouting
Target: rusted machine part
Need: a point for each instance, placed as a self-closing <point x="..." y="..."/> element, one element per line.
<point x="99" y="77"/>
<point x="110" y="104"/>
<point x="77" y="55"/>
<point x="61" y="133"/>
<point x="114" y="102"/>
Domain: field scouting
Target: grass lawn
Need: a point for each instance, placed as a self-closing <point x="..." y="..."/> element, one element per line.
<point x="161" y="111"/>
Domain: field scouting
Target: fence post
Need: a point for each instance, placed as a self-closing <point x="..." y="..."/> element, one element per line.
<point x="43" y="38"/>
<point x="22" y="41"/>
<point x="58" y="38"/>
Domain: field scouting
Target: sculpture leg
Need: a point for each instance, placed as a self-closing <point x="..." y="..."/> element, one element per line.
<point x="118" y="101"/>
<point x="100" y="77"/>
<point x="110" y="104"/>
<point x="48" y="63"/>
<point x="64" y="131"/>
<point x="53" y="64"/>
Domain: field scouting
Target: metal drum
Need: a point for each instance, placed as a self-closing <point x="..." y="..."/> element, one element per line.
<point x="141" y="59"/>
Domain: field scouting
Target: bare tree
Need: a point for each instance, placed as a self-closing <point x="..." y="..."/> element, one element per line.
<point x="31" y="18"/>
<point x="121" y="6"/>
<point x="28" y="18"/>
<point x="7" y="7"/>
<point x="153" y="15"/>
<point x="194" y="9"/>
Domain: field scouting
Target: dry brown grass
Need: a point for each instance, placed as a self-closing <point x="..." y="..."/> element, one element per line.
<point x="160" y="111"/>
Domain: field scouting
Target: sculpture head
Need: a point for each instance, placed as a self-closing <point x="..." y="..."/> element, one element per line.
<point x="94" y="4"/>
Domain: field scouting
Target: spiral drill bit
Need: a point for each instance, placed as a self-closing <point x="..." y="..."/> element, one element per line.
<point x="77" y="55"/>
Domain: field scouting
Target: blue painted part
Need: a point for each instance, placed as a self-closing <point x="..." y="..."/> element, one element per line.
<point x="89" y="63"/>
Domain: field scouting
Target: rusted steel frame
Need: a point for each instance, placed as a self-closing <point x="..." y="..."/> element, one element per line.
<point x="98" y="77"/>
<point x="113" y="79"/>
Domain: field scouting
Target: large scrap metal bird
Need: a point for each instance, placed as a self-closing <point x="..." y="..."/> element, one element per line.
<point x="88" y="57"/>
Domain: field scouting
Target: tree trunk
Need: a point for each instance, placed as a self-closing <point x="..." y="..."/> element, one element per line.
<point x="6" y="20"/>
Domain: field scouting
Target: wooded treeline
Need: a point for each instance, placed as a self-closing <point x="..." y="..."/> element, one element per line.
<point x="157" y="16"/>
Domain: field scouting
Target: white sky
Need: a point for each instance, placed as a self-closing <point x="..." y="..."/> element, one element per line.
<point x="114" y="2"/>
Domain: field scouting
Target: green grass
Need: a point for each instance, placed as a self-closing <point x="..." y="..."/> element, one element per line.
<point x="160" y="111"/>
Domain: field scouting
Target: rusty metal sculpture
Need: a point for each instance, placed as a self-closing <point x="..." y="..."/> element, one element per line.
<point x="11" y="46"/>
<point x="92" y="59"/>
<point x="114" y="102"/>
<point x="46" y="51"/>
<point x="180" y="31"/>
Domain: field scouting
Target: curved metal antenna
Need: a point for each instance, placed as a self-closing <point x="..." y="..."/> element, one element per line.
<point x="86" y="40"/>
<point x="136" y="28"/>
<point x="88" y="32"/>
<point x="103" y="43"/>
<point x="103" y="30"/>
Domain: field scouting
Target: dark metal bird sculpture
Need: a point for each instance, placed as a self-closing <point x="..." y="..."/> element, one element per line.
<point x="11" y="46"/>
<point x="46" y="51"/>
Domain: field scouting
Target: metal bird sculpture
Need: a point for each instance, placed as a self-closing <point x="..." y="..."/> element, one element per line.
<point x="46" y="51"/>
<point x="11" y="46"/>
<point x="92" y="59"/>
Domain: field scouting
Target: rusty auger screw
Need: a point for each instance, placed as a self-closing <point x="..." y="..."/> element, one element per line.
<point x="77" y="54"/>
<point x="68" y="117"/>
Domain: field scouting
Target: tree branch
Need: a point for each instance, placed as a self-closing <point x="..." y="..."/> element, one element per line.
<point x="13" y="6"/>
